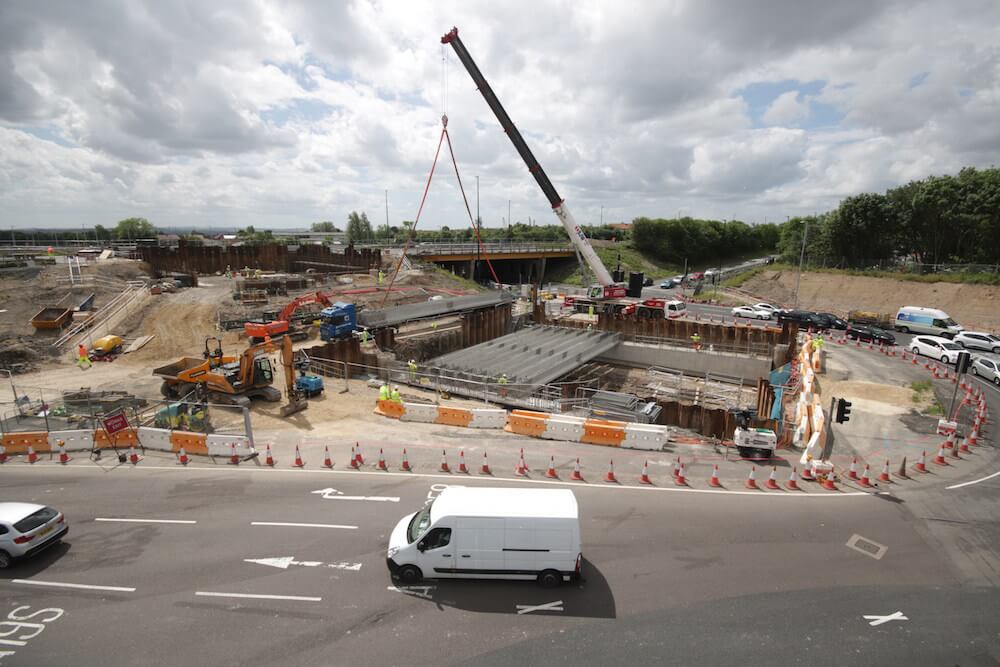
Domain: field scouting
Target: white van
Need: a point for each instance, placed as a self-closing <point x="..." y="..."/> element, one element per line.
<point x="489" y="533"/>
<point x="675" y="309"/>
<point x="926" y="321"/>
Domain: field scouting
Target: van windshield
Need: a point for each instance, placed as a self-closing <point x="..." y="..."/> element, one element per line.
<point x="419" y="523"/>
<point x="950" y="323"/>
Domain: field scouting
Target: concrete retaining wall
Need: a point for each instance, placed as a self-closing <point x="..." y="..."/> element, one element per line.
<point x="644" y="356"/>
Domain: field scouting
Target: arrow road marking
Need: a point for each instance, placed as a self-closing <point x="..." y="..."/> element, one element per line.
<point x="879" y="620"/>
<point x="282" y="563"/>
<point x="334" y="494"/>
<point x="548" y="606"/>
<point x="416" y="591"/>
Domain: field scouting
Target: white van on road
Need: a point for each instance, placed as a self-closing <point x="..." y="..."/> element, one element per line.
<point x="926" y="321"/>
<point x="490" y="533"/>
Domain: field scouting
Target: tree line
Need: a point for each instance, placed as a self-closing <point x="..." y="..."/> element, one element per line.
<point x="676" y="240"/>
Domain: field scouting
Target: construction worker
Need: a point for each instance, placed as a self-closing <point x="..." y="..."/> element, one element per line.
<point x="256" y="273"/>
<point x="502" y="379"/>
<point x="412" y="365"/>
<point x="364" y="335"/>
<point x="383" y="392"/>
<point x="590" y="310"/>
<point x="818" y="342"/>
<point x="696" y="341"/>
<point x="229" y="271"/>
<point x="246" y="271"/>
<point x="394" y="396"/>
<point x="381" y="276"/>
<point x="84" y="358"/>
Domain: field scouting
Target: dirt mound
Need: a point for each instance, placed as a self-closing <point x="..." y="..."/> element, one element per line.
<point x="975" y="307"/>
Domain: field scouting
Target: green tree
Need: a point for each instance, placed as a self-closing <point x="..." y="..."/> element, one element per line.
<point x="325" y="226"/>
<point x="134" y="228"/>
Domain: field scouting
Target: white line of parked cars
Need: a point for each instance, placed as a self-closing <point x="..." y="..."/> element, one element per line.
<point x="758" y="311"/>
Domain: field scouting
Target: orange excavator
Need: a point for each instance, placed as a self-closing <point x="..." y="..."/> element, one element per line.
<point x="258" y="331"/>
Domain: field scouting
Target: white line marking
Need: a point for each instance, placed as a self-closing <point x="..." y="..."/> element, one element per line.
<point x="879" y="549"/>
<point x="879" y="620"/>
<point x="330" y="493"/>
<point x="282" y="562"/>
<point x="975" y="481"/>
<point x="302" y="525"/>
<point x="184" y="521"/>
<point x="416" y="591"/>
<point x="12" y="642"/>
<point x="548" y="606"/>
<point x="62" y="584"/>
<point x="212" y="594"/>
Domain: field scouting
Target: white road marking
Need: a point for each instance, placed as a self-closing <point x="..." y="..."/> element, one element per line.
<point x="62" y="584"/>
<point x="254" y="596"/>
<point x="548" y="606"/>
<point x="302" y="525"/>
<point x="415" y="591"/>
<point x="879" y="620"/>
<point x="282" y="562"/>
<point x="184" y="521"/>
<point x="868" y="547"/>
<point x="334" y="494"/>
<point x="975" y="481"/>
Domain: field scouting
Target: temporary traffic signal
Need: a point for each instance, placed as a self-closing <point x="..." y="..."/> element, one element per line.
<point x="843" y="411"/>
<point x="962" y="362"/>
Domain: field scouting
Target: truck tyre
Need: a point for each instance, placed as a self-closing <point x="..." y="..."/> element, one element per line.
<point x="745" y="452"/>
<point x="764" y="455"/>
<point x="904" y="329"/>
<point x="167" y="390"/>
<point x="549" y="579"/>
<point x="410" y="574"/>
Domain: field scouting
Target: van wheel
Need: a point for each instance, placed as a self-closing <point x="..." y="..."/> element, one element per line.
<point x="410" y="574"/>
<point x="5" y="560"/>
<point x="549" y="579"/>
<point x="944" y="358"/>
<point x="904" y="329"/>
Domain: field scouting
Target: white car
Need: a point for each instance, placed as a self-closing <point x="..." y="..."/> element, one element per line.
<point x="751" y="313"/>
<point x="936" y="347"/>
<point x="978" y="340"/>
<point x="987" y="369"/>
<point x="26" y="529"/>
<point x="774" y="310"/>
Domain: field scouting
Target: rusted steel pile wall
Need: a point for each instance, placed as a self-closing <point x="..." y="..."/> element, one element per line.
<point x="265" y="256"/>
<point x="710" y="422"/>
<point x="477" y="327"/>
<point x="347" y="350"/>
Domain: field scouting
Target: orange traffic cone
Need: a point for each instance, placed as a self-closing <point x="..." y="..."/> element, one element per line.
<point x="576" y="476"/>
<point x="973" y="438"/>
<point x="461" y="461"/>
<point x="807" y="474"/>
<point x="949" y="442"/>
<point x="610" y="476"/>
<point x="357" y="454"/>
<point x="299" y="463"/>
<point x="964" y="447"/>
<point x="828" y="482"/>
<point x="901" y="473"/>
<point x="268" y="457"/>
<point x="853" y="472"/>
<point x="644" y="475"/>
<point x="866" y="480"/>
<point x="714" y="481"/>
<point x="3" y="454"/>
<point x="677" y="466"/>
<point x="921" y="465"/>
<point x="182" y="457"/>
<point x="233" y="458"/>
<point x="884" y="475"/>
<point x="405" y="465"/>
<point x="444" y="462"/>
<point x="792" y="484"/>
<point x="381" y="460"/>
<point x="63" y="456"/>
<point x="485" y="468"/>
<point x="551" y="472"/>
<point x="939" y="459"/>
<point x="32" y="456"/>
<point x="327" y="462"/>
<point x="681" y="479"/>
<point x="521" y="469"/>
<point x="751" y="482"/>
<point x="772" y="480"/>
<point x="354" y="458"/>
<point x="133" y="458"/>
<point x="523" y="463"/>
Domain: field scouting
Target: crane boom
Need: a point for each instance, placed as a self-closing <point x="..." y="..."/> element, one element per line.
<point x="576" y="234"/>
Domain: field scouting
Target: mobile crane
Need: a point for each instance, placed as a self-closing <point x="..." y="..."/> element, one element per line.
<point x="607" y="296"/>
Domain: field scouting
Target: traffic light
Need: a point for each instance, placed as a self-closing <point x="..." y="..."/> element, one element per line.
<point x="962" y="362"/>
<point x="843" y="410"/>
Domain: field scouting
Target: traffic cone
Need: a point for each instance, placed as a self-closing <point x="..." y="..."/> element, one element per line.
<point x="354" y="458"/>
<point x="973" y="438"/>
<point x="807" y="474"/>
<point x="949" y="442"/>
<point x="133" y="458"/>
<point x="681" y="479"/>
<point x="964" y="447"/>
<point x="610" y="476"/>
<point x="921" y="465"/>
<point x="32" y="456"/>
<point x="751" y="482"/>
<point x="714" y="481"/>
<point x="939" y="459"/>
<point x="901" y="473"/>
<point x="829" y="483"/>
<point x="405" y="465"/>
<point x="327" y="462"/>
<point x="644" y="475"/>
<point x="444" y="462"/>
<point x="792" y="484"/>
<point x="461" y="461"/>
<point x="3" y="454"/>
<point x="914" y="360"/>
<point x="268" y="457"/>
<point x="299" y="463"/>
<point x="521" y="468"/>
<point x="233" y="458"/>
<point x="677" y="466"/>
<point x="485" y="468"/>
<point x="551" y="472"/>
<point x="357" y="454"/>
<point x="576" y="475"/>
<point x="884" y="475"/>
<point x="381" y="460"/>
<point x="182" y="457"/>
<point x="63" y="456"/>
<point x="772" y="480"/>
<point x="866" y="480"/>
<point x="853" y="472"/>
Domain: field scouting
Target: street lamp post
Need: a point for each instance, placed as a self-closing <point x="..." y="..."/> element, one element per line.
<point x="802" y="255"/>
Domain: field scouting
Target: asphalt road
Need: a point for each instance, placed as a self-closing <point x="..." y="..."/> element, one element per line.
<point x="669" y="578"/>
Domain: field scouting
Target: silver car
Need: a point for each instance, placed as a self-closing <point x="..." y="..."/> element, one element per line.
<point x="978" y="340"/>
<point x="988" y="369"/>
<point x="26" y="529"/>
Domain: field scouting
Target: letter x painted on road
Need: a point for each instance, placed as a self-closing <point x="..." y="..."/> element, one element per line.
<point x="879" y="620"/>
<point x="548" y="606"/>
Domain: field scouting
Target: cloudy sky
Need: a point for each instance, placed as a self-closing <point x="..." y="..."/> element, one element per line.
<point x="279" y="114"/>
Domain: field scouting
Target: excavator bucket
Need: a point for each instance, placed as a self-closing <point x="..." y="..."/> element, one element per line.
<point x="293" y="406"/>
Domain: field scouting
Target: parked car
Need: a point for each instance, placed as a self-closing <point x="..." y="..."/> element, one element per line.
<point x="697" y="275"/>
<point x="26" y="529"/>
<point x="936" y="347"/>
<point x="670" y="283"/>
<point x="987" y="369"/>
<point x="751" y="313"/>
<point x="978" y="340"/>
<point x="647" y="282"/>
<point x="833" y="322"/>
<point x="869" y="334"/>
<point x="774" y="310"/>
<point x="803" y="318"/>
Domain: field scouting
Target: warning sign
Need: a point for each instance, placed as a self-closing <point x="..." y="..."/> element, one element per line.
<point x="114" y="423"/>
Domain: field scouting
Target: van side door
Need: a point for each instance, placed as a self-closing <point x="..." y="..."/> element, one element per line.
<point x="479" y="546"/>
<point x="436" y="552"/>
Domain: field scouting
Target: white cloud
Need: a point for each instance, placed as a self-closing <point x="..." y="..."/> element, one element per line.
<point x="787" y="109"/>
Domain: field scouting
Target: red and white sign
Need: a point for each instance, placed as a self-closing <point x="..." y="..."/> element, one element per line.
<point x="114" y="423"/>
